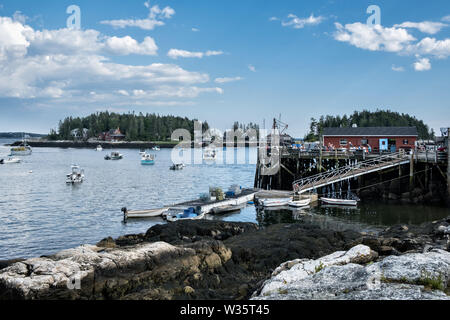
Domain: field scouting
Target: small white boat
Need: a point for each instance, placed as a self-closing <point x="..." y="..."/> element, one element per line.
<point x="341" y="202"/>
<point x="156" y="148"/>
<point x="276" y="202"/>
<point x="300" y="203"/>
<point x="76" y="176"/>
<point x="114" y="156"/>
<point x="188" y="214"/>
<point x="226" y="209"/>
<point x="99" y="148"/>
<point x="144" y="213"/>
<point x="11" y="160"/>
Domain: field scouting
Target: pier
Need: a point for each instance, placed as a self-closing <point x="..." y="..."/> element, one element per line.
<point x="320" y="172"/>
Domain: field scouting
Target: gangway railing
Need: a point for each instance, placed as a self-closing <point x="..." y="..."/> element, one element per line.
<point x="350" y="171"/>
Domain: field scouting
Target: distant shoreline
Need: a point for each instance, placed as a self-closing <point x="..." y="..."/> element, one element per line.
<point x="105" y="144"/>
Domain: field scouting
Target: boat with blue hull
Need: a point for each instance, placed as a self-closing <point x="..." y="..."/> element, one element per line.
<point x="148" y="159"/>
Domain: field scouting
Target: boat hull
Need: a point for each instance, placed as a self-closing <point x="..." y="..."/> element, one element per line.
<point x="146" y="213"/>
<point x="340" y="202"/>
<point x="300" y="203"/>
<point x="147" y="162"/>
<point x="275" y="202"/>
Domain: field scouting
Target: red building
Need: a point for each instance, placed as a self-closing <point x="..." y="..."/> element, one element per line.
<point x="112" y="135"/>
<point x="375" y="138"/>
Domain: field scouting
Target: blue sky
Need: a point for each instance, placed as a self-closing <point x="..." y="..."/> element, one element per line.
<point x="223" y="61"/>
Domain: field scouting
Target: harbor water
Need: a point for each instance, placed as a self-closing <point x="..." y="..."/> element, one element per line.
<point x="40" y="214"/>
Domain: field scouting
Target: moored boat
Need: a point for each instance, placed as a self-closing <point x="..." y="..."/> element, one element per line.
<point x="341" y="202"/>
<point x="300" y="203"/>
<point x="114" y="156"/>
<point x="76" y="176"/>
<point x="188" y="214"/>
<point x="22" y="150"/>
<point x="143" y="213"/>
<point x="156" y="148"/>
<point x="209" y="154"/>
<point x="178" y="166"/>
<point x="148" y="159"/>
<point x="99" y="148"/>
<point x="226" y="209"/>
<point x="11" y="160"/>
<point x="276" y="202"/>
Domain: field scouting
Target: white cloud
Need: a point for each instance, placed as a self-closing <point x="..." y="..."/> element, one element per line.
<point x="397" y="69"/>
<point x="20" y="17"/>
<point x="273" y="19"/>
<point x="446" y="18"/>
<point x="177" y="53"/>
<point x="195" y="30"/>
<point x="299" y="23"/>
<point x="127" y="45"/>
<point x="425" y="26"/>
<point x="374" y="38"/>
<point x="251" y="68"/>
<point x="422" y="64"/>
<point x="69" y="67"/>
<point x="227" y="79"/>
<point x="431" y="46"/>
<point x="154" y="19"/>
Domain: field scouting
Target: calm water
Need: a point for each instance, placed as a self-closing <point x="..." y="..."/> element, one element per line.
<point x="40" y="214"/>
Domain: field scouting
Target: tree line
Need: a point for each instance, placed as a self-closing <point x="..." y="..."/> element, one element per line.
<point x="365" y="118"/>
<point x="135" y="127"/>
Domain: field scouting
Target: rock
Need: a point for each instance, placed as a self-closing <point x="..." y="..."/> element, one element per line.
<point x="410" y="276"/>
<point x="107" y="243"/>
<point x="188" y="290"/>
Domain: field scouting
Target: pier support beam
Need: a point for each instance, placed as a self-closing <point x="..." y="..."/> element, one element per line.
<point x="448" y="163"/>
<point x="411" y="172"/>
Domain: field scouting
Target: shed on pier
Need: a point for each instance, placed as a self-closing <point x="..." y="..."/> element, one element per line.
<point x="378" y="138"/>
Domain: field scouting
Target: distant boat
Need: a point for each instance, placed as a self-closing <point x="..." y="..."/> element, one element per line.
<point x="342" y="202"/>
<point x="76" y="176"/>
<point x="156" y="148"/>
<point x="178" y="166"/>
<point x="209" y="154"/>
<point x="148" y="159"/>
<point x="10" y="160"/>
<point x="278" y="202"/>
<point x="300" y="203"/>
<point x="142" y="151"/>
<point x="114" y="156"/>
<point x="99" y="148"/>
<point x="22" y="150"/>
<point x="144" y="213"/>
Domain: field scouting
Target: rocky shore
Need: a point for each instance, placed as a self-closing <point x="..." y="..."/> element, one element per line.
<point x="230" y="260"/>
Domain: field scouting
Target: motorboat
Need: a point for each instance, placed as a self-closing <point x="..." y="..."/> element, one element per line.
<point x="76" y="176"/>
<point x="156" y="148"/>
<point x="143" y="213"/>
<point x="22" y="150"/>
<point x="209" y="154"/>
<point x="188" y="214"/>
<point x="142" y="151"/>
<point x="300" y="203"/>
<point x="147" y="159"/>
<point x="340" y="202"/>
<point x="10" y="160"/>
<point x="99" y="148"/>
<point x="226" y="209"/>
<point x="276" y="202"/>
<point x="114" y="156"/>
<point x="178" y="166"/>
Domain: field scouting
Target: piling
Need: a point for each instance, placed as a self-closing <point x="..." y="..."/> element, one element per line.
<point x="448" y="163"/>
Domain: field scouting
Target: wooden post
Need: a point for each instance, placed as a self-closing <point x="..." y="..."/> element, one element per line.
<point x="411" y="171"/>
<point x="448" y="162"/>
<point x="426" y="176"/>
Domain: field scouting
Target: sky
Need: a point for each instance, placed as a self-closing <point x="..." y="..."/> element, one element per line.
<point x="223" y="61"/>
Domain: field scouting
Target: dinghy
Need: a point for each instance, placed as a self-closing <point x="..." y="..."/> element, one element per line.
<point x="143" y="213"/>
<point x="341" y="202"/>
<point x="188" y="214"/>
<point x="11" y="160"/>
<point x="178" y="166"/>
<point x="278" y="202"/>
<point x="226" y="209"/>
<point x="300" y="203"/>
<point x="99" y="148"/>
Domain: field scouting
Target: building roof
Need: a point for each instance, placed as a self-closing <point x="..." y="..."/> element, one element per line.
<point x="371" y="131"/>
